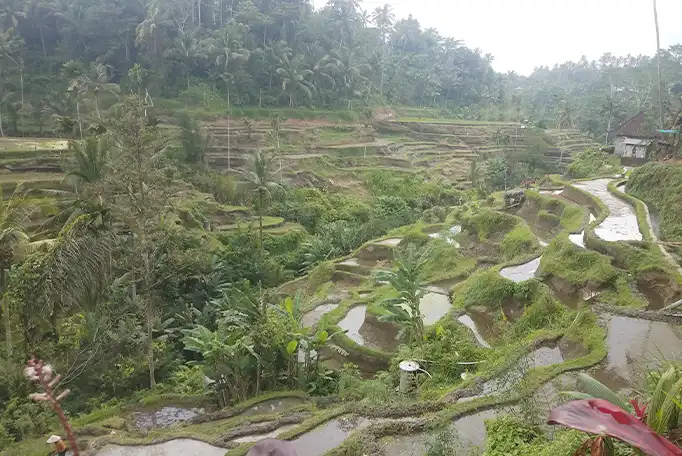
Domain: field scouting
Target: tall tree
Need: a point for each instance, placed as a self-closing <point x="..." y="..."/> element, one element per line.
<point x="658" y="68"/>
<point x="261" y="178"/>
<point x="295" y="79"/>
<point x="141" y="191"/>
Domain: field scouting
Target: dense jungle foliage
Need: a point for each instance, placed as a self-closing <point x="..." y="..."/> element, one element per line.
<point x="59" y="63"/>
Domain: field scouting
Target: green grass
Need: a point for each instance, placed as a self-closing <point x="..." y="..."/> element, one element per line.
<point x="577" y="266"/>
<point x="659" y="185"/>
<point x="519" y="241"/>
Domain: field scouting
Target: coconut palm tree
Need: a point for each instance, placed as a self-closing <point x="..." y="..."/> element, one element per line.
<point x="295" y="78"/>
<point x="90" y="160"/>
<point x="351" y="73"/>
<point x="225" y="47"/>
<point x="94" y="80"/>
<point x="187" y="49"/>
<point x="658" y="68"/>
<point x="383" y="18"/>
<point x="261" y="178"/>
<point x="15" y="214"/>
<point x="404" y="309"/>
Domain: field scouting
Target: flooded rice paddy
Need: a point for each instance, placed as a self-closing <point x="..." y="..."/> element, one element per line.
<point x="272" y="406"/>
<point x="636" y="346"/>
<point x="521" y="272"/>
<point x="621" y="224"/>
<point x="165" y="416"/>
<point x="178" y="447"/>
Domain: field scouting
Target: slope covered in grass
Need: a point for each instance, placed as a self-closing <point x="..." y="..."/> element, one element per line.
<point x="660" y="186"/>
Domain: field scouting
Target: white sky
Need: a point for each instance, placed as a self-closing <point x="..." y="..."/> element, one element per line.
<point x="523" y="34"/>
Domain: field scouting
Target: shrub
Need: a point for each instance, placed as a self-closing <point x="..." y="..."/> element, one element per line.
<point x="488" y="288"/>
<point x="507" y="436"/>
<point x="591" y="162"/>
<point x="518" y="241"/>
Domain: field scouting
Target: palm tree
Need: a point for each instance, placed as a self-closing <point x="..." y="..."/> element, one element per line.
<point x="658" y="68"/>
<point x="295" y="78"/>
<point x="187" y="49"/>
<point x="15" y="214"/>
<point x="261" y="179"/>
<point x="96" y="79"/>
<point x="351" y="74"/>
<point x="225" y="47"/>
<point x="90" y="160"/>
<point x="404" y="309"/>
<point x="383" y="18"/>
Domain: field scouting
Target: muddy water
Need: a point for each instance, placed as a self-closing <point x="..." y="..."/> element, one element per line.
<point x="328" y="436"/>
<point x="467" y="321"/>
<point x="269" y="435"/>
<point x="352" y="323"/>
<point x="621" y="224"/>
<point x="521" y="272"/>
<point x="485" y="323"/>
<point x="433" y="307"/>
<point x="272" y="406"/>
<point x="543" y="356"/>
<point x="448" y="237"/>
<point x="358" y="265"/>
<point x="313" y="317"/>
<point x="380" y="336"/>
<point x="165" y="416"/>
<point x="468" y="435"/>
<point x="443" y="286"/>
<point x="636" y="346"/>
<point x="178" y="447"/>
<point x="391" y="242"/>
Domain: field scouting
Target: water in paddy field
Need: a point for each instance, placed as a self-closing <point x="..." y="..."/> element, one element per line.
<point x="391" y="242"/>
<point x="636" y="346"/>
<point x="380" y="336"/>
<point x="165" y="416"/>
<point x="328" y="436"/>
<point x="313" y="317"/>
<point x="578" y="239"/>
<point x="352" y="323"/>
<point x="269" y="435"/>
<point x="272" y="406"/>
<point x="521" y="272"/>
<point x="178" y="447"/>
<point x="468" y="437"/>
<point x="467" y="321"/>
<point x="621" y="224"/>
<point x="433" y="307"/>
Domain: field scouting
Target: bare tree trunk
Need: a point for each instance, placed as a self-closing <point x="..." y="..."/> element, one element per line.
<point x="21" y="81"/>
<point x="2" y="132"/>
<point x="78" y="113"/>
<point x="658" y="65"/>
<point x="5" y="315"/>
<point x="229" y="132"/>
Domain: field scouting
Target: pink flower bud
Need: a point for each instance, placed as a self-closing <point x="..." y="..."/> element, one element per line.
<point x="64" y="393"/>
<point x="38" y="396"/>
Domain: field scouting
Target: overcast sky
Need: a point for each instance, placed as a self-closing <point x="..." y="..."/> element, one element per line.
<point x="523" y="34"/>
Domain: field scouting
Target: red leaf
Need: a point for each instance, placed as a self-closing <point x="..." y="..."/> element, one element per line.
<point x="639" y="411"/>
<point x="601" y="417"/>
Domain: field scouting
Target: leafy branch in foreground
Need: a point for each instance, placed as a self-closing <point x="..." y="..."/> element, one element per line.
<point x="38" y="372"/>
<point x="598" y="416"/>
